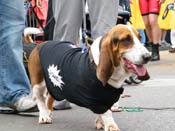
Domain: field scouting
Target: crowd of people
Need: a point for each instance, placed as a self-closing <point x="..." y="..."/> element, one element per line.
<point x="144" y="21"/>
<point x="67" y="21"/>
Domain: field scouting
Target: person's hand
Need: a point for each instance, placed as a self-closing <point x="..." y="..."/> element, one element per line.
<point x="39" y="3"/>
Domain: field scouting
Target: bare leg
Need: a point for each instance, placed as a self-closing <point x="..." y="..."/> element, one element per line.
<point x="163" y="35"/>
<point x="154" y="34"/>
<point x="156" y="31"/>
<point x="148" y="27"/>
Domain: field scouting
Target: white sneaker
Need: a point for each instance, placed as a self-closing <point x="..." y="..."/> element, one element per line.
<point x="25" y="104"/>
<point x="61" y="105"/>
<point x="7" y="110"/>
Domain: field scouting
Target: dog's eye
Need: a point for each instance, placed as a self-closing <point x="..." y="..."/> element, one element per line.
<point x="127" y="40"/>
<point x="115" y="40"/>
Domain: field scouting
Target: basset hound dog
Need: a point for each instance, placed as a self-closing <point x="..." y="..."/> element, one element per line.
<point x="92" y="79"/>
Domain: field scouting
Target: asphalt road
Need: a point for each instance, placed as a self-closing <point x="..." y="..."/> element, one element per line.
<point x="151" y="107"/>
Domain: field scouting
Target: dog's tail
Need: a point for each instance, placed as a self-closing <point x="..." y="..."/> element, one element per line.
<point x="31" y="31"/>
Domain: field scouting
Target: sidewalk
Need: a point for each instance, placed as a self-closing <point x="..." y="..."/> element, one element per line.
<point x="164" y="67"/>
<point x="151" y="106"/>
<point x="153" y="101"/>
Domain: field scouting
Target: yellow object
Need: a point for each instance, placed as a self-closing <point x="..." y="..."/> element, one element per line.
<point x="136" y="17"/>
<point x="169" y="21"/>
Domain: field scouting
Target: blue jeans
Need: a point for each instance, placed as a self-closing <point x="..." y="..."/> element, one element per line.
<point x="14" y="82"/>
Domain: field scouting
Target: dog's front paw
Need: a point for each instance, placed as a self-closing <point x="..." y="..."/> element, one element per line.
<point x="45" y="118"/>
<point x="99" y="123"/>
<point x="108" y="121"/>
<point x="112" y="127"/>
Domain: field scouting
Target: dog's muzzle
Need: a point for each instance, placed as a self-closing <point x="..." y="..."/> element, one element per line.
<point x="146" y="58"/>
<point x="139" y="69"/>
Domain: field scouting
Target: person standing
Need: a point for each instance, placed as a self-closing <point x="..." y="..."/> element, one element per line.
<point x="150" y="11"/>
<point x="164" y="23"/>
<point x="167" y="21"/>
<point x="14" y="83"/>
<point x="68" y="15"/>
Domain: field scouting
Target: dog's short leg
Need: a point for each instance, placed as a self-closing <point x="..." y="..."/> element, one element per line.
<point x="44" y="112"/>
<point x="49" y="102"/>
<point x="38" y="85"/>
<point x="99" y="123"/>
<point x="107" y="122"/>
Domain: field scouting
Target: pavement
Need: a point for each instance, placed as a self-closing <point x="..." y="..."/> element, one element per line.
<point x="155" y="97"/>
<point x="151" y="107"/>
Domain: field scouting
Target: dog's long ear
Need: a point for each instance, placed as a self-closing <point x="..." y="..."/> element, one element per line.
<point x="105" y="66"/>
<point x="115" y="50"/>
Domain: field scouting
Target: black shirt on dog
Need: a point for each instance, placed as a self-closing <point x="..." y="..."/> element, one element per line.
<point x="70" y="75"/>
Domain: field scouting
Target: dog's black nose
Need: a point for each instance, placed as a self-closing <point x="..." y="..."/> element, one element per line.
<point x="146" y="57"/>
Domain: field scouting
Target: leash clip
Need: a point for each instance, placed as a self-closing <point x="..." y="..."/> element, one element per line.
<point x="167" y="9"/>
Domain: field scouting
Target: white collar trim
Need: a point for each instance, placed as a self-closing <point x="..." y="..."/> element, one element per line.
<point x="95" y="50"/>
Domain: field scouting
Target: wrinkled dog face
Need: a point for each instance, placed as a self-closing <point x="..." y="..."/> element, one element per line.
<point x="122" y="50"/>
<point x="130" y="50"/>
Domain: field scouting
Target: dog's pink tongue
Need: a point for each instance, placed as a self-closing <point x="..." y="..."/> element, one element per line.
<point x="140" y="70"/>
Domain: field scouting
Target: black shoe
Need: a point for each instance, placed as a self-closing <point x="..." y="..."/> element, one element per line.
<point x="155" y="57"/>
<point x="155" y="52"/>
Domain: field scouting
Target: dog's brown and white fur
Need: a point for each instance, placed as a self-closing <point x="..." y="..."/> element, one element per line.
<point x="111" y="54"/>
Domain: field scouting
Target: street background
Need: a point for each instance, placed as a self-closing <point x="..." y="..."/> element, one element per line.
<point x="151" y="107"/>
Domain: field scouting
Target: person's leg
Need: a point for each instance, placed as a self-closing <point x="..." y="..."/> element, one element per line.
<point x="172" y="36"/>
<point x="14" y="83"/>
<point x="68" y="19"/>
<point x="163" y="36"/>
<point x="50" y="22"/>
<point x="150" y="10"/>
<point x="68" y="16"/>
<point x="156" y="36"/>
<point x="144" y="9"/>
<point x="148" y="29"/>
<point x="163" y="43"/>
<point x="154" y="9"/>
<point x="155" y="30"/>
<point x="103" y="16"/>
